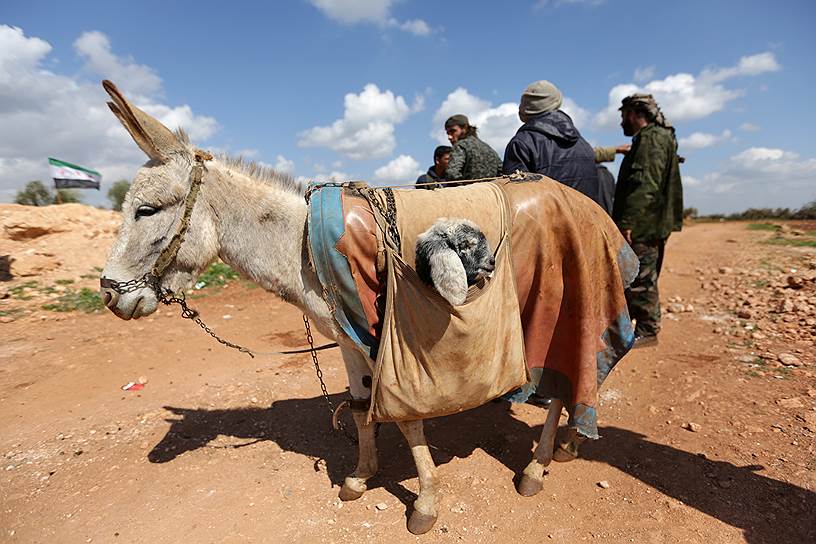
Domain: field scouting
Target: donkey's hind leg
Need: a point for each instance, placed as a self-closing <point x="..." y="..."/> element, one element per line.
<point x="425" y="512"/>
<point x="359" y="376"/>
<point x="532" y="480"/>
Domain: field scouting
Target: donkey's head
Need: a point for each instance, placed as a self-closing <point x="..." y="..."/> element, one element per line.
<point x="151" y="214"/>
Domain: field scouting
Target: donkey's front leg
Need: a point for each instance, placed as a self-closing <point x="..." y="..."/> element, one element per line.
<point x="532" y="481"/>
<point x="355" y="484"/>
<point x="424" y="515"/>
<point x="359" y="376"/>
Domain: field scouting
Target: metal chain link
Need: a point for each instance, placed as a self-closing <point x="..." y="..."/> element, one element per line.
<point x="319" y="372"/>
<point x="169" y="298"/>
<point x="389" y="213"/>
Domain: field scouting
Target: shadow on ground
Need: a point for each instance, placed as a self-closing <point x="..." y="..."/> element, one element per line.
<point x="303" y="426"/>
<point x="767" y="510"/>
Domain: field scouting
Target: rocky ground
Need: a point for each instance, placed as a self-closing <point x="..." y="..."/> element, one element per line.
<point x="708" y="437"/>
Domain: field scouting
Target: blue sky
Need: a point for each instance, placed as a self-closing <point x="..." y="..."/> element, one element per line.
<point x="358" y="89"/>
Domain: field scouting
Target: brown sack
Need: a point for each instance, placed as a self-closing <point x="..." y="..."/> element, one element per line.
<point x="436" y="359"/>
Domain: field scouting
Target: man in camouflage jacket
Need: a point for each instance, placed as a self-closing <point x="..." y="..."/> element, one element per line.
<point x="471" y="158"/>
<point x="648" y="204"/>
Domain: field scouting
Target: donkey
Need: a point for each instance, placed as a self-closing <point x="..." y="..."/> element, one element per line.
<point x="254" y="219"/>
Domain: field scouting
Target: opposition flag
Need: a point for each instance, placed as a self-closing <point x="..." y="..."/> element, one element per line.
<point x="72" y="176"/>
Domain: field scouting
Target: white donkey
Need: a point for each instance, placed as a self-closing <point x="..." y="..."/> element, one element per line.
<point x="254" y="219"/>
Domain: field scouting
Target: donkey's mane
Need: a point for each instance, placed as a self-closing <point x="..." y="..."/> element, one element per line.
<point x="258" y="172"/>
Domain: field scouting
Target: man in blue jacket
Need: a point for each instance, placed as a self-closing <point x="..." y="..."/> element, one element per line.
<point x="548" y="143"/>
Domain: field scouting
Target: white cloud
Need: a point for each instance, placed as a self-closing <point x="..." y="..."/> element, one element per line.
<point x="376" y="12"/>
<point x="747" y="66"/>
<point x="418" y="104"/>
<point x="282" y="164"/>
<point x="95" y="47"/>
<point x="579" y="115"/>
<point x="757" y="177"/>
<point x="766" y="157"/>
<point x="403" y="168"/>
<point x="335" y="177"/>
<point x="44" y="113"/>
<point x="699" y="140"/>
<point x="684" y="97"/>
<point x="541" y="4"/>
<point x="644" y="74"/>
<point x="496" y="124"/>
<point x="366" y="130"/>
<point x="749" y="127"/>
<point x="247" y="153"/>
<point x="417" y="27"/>
<point x="355" y="11"/>
<point x="197" y="126"/>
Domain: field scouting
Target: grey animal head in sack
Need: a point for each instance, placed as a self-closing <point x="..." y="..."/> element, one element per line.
<point x="452" y="255"/>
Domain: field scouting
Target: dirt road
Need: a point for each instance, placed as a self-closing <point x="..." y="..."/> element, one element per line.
<point x="705" y="438"/>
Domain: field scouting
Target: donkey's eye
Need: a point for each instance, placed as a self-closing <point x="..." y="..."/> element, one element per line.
<point x="145" y="211"/>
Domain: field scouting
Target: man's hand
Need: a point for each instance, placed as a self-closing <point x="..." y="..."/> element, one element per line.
<point x="623" y="149"/>
<point x="627" y="235"/>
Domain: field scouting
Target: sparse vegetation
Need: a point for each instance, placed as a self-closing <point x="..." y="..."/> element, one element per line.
<point x="795" y="242"/>
<point x="21" y="292"/>
<point x="785" y="236"/>
<point x="34" y="194"/>
<point x="762" y="226"/>
<point x="83" y="300"/>
<point x="217" y="274"/>
<point x="11" y="312"/>
<point x="808" y="211"/>
<point x="37" y="194"/>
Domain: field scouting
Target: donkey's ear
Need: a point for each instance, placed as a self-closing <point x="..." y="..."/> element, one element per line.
<point x="155" y="139"/>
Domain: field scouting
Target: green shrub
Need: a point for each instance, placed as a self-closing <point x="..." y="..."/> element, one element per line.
<point x="217" y="274"/>
<point x="762" y="226"/>
<point x="34" y="194"/>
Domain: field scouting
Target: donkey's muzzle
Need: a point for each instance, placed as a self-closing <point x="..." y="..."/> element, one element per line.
<point x="109" y="295"/>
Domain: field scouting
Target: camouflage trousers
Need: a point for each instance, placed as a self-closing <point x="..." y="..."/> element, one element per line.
<point x="642" y="297"/>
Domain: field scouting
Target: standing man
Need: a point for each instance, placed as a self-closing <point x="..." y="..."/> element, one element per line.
<point x="470" y="158"/>
<point x="436" y="173"/>
<point x="548" y="142"/>
<point x="648" y="205"/>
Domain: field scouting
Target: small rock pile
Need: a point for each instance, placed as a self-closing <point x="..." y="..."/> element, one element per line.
<point x="767" y="306"/>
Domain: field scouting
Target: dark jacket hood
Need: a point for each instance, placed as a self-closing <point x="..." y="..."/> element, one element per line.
<point x="555" y="124"/>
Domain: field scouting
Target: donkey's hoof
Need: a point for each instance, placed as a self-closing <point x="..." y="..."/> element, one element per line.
<point x="529" y="486"/>
<point x="420" y="523"/>
<point x="564" y="455"/>
<point x="349" y="494"/>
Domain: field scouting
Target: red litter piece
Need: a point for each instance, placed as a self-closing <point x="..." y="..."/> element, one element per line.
<point x="133" y="386"/>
